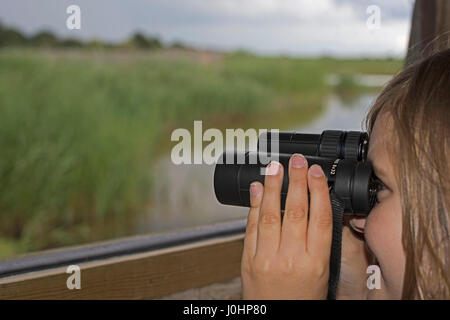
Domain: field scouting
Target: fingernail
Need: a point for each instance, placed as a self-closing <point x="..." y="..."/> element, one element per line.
<point x="273" y="168"/>
<point x="298" y="161"/>
<point x="316" y="171"/>
<point x="254" y="190"/>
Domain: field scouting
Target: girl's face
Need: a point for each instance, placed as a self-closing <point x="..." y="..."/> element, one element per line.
<point x="383" y="227"/>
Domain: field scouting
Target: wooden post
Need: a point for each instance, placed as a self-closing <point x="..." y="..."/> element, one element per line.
<point x="430" y="29"/>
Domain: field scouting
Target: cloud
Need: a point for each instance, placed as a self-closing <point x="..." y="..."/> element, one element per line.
<point x="297" y="27"/>
<point x="391" y="10"/>
<point x="298" y="9"/>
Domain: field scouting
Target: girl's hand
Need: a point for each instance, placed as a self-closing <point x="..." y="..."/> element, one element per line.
<point x="288" y="259"/>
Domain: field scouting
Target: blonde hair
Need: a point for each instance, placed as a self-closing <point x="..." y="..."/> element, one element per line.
<point x="418" y="100"/>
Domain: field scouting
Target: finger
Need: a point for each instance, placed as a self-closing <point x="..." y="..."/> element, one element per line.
<point x="269" y="223"/>
<point x="295" y="220"/>
<point x="320" y="226"/>
<point x="256" y="192"/>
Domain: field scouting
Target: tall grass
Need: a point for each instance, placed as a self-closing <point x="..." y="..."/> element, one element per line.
<point x="78" y="135"/>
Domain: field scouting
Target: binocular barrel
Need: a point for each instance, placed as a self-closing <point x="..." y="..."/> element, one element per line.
<point x="352" y="181"/>
<point x="352" y="145"/>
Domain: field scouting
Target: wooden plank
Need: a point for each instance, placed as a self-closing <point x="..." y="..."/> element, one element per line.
<point x="138" y="276"/>
<point x="61" y="257"/>
<point x="227" y="290"/>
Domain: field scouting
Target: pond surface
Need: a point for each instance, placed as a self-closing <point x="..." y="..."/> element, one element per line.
<point x="183" y="195"/>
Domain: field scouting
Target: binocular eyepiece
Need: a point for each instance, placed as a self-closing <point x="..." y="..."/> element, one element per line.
<point x="342" y="156"/>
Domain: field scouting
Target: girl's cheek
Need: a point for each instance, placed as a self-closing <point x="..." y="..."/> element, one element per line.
<point x="383" y="236"/>
<point x="383" y="228"/>
<point x="372" y="232"/>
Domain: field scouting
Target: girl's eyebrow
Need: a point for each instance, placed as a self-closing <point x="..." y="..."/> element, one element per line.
<point x="378" y="170"/>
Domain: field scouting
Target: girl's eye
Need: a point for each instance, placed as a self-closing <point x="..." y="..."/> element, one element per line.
<point x="380" y="186"/>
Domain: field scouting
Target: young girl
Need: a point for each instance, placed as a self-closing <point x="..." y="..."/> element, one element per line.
<point x="407" y="232"/>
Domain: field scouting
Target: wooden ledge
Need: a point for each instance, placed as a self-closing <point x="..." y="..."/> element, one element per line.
<point x="136" y="276"/>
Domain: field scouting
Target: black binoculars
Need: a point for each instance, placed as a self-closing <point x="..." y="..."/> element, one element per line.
<point x="341" y="154"/>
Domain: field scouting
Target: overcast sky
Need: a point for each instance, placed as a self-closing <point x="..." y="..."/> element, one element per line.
<point x="295" y="27"/>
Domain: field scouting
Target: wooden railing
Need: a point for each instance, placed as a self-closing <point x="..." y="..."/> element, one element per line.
<point x="141" y="267"/>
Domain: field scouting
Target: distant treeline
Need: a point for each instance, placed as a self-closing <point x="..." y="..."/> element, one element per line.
<point x="10" y="37"/>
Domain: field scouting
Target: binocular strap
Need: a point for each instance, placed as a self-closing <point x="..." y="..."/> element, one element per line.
<point x="337" y="207"/>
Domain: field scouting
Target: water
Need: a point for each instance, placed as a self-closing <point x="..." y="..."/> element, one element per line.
<point x="341" y="114"/>
<point x="183" y="195"/>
